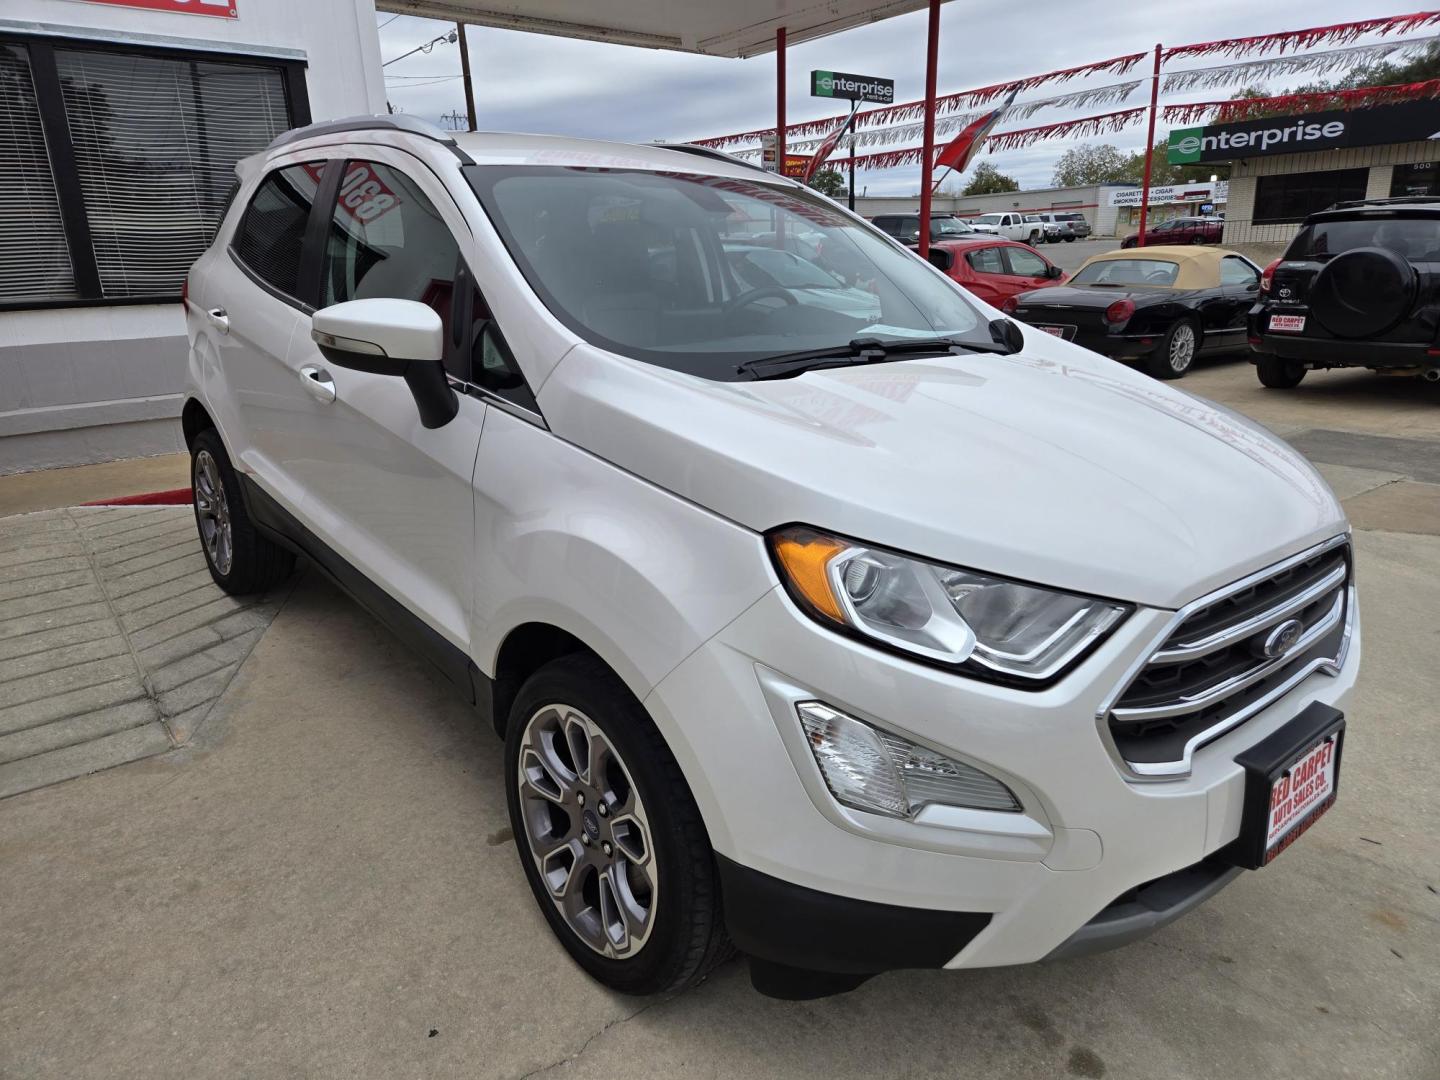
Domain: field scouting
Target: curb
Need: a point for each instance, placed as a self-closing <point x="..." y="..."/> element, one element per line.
<point x="174" y="497"/>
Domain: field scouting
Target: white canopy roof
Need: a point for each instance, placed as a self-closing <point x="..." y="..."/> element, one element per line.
<point x="714" y="27"/>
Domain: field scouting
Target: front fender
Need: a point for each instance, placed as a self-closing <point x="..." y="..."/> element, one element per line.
<point x="563" y="538"/>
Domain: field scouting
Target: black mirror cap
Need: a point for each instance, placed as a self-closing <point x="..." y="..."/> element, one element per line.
<point x="1007" y="332"/>
<point x="1054" y="272"/>
<point x="374" y="363"/>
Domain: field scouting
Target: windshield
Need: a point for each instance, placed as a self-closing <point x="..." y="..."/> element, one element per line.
<point x="1417" y="239"/>
<point x="948" y="227"/>
<point x="702" y="273"/>
<point x="990" y="219"/>
<point x="1127" y="272"/>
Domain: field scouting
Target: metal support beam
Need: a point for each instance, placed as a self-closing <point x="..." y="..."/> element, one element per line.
<point x="927" y="158"/>
<point x="1149" y="150"/>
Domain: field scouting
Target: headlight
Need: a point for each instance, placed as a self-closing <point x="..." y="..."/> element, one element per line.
<point x="992" y="627"/>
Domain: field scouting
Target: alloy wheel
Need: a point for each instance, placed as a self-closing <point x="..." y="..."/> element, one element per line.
<point x="588" y="831"/>
<point x="213" y="510"/>
<point x="1182" y="347"/>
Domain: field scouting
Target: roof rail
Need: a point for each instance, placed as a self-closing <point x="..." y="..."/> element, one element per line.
<point x="1394" y="200"/>
<point x="708" y="152"/>
<point x="393" y="122"/>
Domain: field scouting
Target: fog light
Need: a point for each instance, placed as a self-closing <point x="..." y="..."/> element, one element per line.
<point x="878" y="771"/>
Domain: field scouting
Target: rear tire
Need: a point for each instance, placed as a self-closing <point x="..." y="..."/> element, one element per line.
<point x="1279" y="374"/>
<point x="241" y="561"/>
<point x="632" y="893"/>
<point x="1175" y="354"/>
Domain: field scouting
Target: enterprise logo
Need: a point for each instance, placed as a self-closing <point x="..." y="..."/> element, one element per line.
<point x="1190" y="145"/>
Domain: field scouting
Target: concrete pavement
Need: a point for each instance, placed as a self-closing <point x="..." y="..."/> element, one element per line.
<point x="322" y="882"/>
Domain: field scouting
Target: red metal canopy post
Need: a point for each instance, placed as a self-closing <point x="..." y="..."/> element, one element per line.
<point x="1149" y="150"/>
<point x="927" y="158"/>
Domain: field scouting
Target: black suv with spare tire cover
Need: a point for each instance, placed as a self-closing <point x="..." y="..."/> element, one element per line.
<point x="1359" y="286"/>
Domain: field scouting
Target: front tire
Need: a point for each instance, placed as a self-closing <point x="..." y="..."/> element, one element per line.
<point x="608" y="833"/>
<point x="241" y="561"/>
<point x="1279" y="374"/>
<point x="1035" y="239"/>
<point x="1176" y="352"/>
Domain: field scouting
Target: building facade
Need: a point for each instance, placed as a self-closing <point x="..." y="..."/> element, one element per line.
<point x="1374" y="153"/>
<point x="122" y="122"/>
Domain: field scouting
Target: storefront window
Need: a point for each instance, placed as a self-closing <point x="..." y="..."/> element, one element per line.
<point x="1421" y="178"/>
<point x="123" y="162"/>
<point x="34" y="258"/>
<point x="1295" y="196"/>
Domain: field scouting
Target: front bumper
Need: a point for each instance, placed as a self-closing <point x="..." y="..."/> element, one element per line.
<point x="1008" y="888"/>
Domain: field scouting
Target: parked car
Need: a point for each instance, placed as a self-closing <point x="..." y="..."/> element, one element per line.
<point x="1357" y="287"/>
<point x="1074" y="225"/>
<point x="1185" y="230"/>
<point x="994" y="269"/>
<point x="906" y="227"/>
<point x="1160" y="306"/>
<point x="926" y="641"/>
<point x="1010" y="227"/>
<point x="1050" y="233"/>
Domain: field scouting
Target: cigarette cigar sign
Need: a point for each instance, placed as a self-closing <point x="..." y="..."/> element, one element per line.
<point x="223" y="9"/>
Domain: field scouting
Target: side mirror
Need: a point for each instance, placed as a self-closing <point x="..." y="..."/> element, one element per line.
<point x="1054" y="272"/>
<point x="1006" y="332"/>
<point x="402" y="338"/>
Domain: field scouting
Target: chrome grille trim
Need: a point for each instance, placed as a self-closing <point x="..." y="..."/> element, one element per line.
<point x="1206" y="645"/>
<point x="1344" y="608"/>
<point x="1196" y="702"/>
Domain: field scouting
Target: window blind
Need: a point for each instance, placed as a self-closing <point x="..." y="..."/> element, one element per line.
<point x="34" y="255"/>
<point x="156" y="140"/>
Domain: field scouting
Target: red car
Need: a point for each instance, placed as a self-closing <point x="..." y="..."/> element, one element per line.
<point x="994" y="269"/>
<point x="1184" y="230"/>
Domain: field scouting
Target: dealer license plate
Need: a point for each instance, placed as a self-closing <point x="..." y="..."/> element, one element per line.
<point x="1063" y="332"/>
<point x="1301" y="794"/>
<point x="1290" y="780"/>
<point x="1290" y="324"/>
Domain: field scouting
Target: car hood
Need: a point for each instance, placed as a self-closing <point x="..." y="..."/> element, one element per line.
<point x="1054" y="466"/>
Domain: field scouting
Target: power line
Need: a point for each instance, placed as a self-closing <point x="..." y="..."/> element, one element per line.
<point x="388" y="21"/>
<point x="445" y="38"/>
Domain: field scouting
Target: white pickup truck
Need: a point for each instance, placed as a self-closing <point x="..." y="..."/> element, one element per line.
<point x="1011" y="226"/>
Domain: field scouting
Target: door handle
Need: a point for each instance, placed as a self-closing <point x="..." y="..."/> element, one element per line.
<point x="318" y="382"/>
<point x="219" y="319"/>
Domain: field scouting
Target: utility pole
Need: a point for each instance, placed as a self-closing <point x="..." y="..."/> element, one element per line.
<point x="465" y="69"/>
<point x="851" y="186"/>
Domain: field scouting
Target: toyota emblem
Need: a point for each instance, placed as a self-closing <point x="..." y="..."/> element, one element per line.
<point x="1281" y="639"/>
<point x="1286" y="293"/>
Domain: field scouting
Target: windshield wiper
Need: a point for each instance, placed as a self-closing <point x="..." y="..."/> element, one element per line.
<point x="861" y="350"/>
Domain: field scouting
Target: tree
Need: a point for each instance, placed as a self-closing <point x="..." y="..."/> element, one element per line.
<point x="1163" y="173"/>
<point x="988" y="180"/>
<point x="1093" y="163"/>
<point x="828" y="182"/>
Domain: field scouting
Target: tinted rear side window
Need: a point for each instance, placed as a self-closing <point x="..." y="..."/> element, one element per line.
<point x="1417" y="239"/>
<point x="272" y="232"/>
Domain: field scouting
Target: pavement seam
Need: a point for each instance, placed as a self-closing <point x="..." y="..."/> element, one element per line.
<point x="145" y="683"/>
<point x="586" y="1044"/>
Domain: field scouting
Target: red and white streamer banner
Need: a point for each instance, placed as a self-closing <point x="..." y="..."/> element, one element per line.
<point x="1225" y="112"/>
<point x="1005" y="140"/>
<point x="948" y="103"/>
<point x="1283" y="67"/>
<point x="1295" y="40"/>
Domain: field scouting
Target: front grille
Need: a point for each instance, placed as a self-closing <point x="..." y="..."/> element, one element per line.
<point x="1211" y="672"/>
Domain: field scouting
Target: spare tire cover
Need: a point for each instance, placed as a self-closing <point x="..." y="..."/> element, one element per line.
<point x="1363" y="293"/>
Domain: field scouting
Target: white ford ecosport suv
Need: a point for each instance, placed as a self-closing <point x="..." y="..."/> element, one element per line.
<point x="831" y="615"/>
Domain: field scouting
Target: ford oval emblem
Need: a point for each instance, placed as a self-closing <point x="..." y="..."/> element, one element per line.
<point x="1281" y="639"/>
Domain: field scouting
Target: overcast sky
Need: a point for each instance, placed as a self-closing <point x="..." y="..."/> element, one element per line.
<point x="537" y="83"/>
